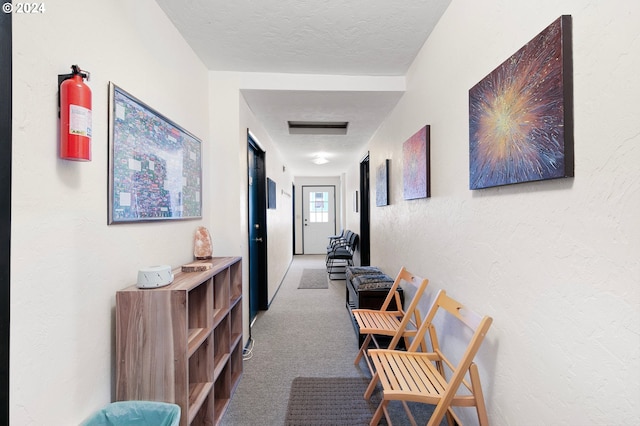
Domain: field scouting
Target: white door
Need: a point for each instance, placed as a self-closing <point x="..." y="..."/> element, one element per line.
<point x="318" y="218"/>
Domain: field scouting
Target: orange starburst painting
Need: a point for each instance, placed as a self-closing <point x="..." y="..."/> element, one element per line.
<point x="521" y="114"/>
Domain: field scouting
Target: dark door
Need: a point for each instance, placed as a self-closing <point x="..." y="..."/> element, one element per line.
<point x="365" y="255"/>
<point x="257" y="215"/>
<point x="5" y="209"/>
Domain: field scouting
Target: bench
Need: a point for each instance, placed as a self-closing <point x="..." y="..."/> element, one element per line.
<point x="366" y="288"/>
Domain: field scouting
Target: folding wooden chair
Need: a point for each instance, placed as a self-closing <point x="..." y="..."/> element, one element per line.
<point x="392" y="323"/>
<point x="420" y="377"/>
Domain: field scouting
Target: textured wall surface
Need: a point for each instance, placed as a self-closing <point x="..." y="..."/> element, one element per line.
<point x="66" y="263"/>
<point x="279" y="229"/>
<point x="230" y="118"/>
<point x="555" y="263"/>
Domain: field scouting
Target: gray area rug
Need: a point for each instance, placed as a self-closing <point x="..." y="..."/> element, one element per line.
<point x="338" y="401"/>
<point x="314" y="278"/>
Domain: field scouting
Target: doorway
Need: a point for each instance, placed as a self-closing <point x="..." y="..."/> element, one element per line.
<point x="318" y="217"/>
<point x="365" y="235"/>
<point x="5" y="210"/>
<point x="257" y="232"/>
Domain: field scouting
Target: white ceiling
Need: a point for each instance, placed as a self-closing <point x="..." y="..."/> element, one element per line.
<point x="372" y="40"/>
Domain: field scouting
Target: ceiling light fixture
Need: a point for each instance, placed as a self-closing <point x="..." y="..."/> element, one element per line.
<point x="320" y="160"/>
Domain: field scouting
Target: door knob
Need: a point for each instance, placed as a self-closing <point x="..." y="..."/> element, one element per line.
<point x="258" y="240"/>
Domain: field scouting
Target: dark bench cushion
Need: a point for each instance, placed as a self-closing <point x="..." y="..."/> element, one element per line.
<point x="372" y="282"/>
<point x="354" y="271"/>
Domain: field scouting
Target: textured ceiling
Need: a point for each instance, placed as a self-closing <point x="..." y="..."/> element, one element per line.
<point x="330" y="37"/>
<point x="275" y="108"/>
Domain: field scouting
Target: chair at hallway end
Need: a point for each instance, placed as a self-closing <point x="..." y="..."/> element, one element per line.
<point x="334" y="238"/>
<point x="422" y="376"/>
<point x="395" y="324"/>
<point x="336" y="241"/>
<point x="341" y="255"/>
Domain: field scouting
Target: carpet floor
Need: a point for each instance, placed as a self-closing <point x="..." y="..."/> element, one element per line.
<point x="339" y="401"/>
<point x="314" y="278"/>
<point x="303" y="334"/>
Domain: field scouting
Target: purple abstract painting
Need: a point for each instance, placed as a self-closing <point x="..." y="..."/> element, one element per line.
<point x="415" y="162"/>
<point x="382" y="184"/>
<point x="521" y="114"/>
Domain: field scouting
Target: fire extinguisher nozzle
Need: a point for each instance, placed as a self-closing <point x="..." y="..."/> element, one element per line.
<point x="76" y="70"/>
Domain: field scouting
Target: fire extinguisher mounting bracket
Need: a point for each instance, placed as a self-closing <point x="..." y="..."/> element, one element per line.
<point x="62" y="77"/>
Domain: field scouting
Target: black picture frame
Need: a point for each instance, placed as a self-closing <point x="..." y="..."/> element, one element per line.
<point x="271" y="194"/>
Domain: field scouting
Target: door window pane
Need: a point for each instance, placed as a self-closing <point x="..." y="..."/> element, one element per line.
<point x="319" y="207"/>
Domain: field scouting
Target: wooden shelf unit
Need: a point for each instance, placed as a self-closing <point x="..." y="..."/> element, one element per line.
<point x="182" y="343"/>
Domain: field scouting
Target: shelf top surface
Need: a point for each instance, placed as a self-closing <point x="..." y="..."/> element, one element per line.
<point x="188" y="280"/>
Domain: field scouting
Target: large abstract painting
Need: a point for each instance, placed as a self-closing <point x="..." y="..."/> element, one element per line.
<point x="415" y="162"/>
<point x="521" y="114"/>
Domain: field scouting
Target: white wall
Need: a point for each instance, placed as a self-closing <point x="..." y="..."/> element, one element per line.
<point x="555" y="263"/>
<point x="352" y="184"/>
<point x="279" y="228"/>
<point x="66" y="263"/>
<point x="230" y="119"/>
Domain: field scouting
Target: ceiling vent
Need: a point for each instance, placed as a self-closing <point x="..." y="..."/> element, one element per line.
<point x="318" y="127"/>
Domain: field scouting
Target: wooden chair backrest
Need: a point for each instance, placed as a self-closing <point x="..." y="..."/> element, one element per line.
<point x="410" y="315"/>
<point x="478" y="324"/>
<point x="408" y="278"/>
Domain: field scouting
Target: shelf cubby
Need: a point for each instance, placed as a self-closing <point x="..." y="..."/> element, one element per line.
<point x="235" y="325"/>
<point x="192" y="330"/>
<point x="235" y="282"/>
<point x="222" y="391"/>
<point x="235" y="363"/>
<point x="222" y="339"/>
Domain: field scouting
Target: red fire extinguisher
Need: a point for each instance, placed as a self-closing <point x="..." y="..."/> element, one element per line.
<point x="75" y="116"/>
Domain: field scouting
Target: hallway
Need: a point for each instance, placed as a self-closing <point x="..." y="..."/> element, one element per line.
<point x="304" y="333"/>
<point x="552" y="261"/>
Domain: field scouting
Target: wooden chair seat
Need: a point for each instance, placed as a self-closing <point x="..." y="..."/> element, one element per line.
<point x="415" y="378"/>
<point x="376" y="322"/>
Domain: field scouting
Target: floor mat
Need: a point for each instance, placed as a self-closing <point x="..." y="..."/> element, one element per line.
<point x="314" y="278"/>
<point x="336" y="401"/>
